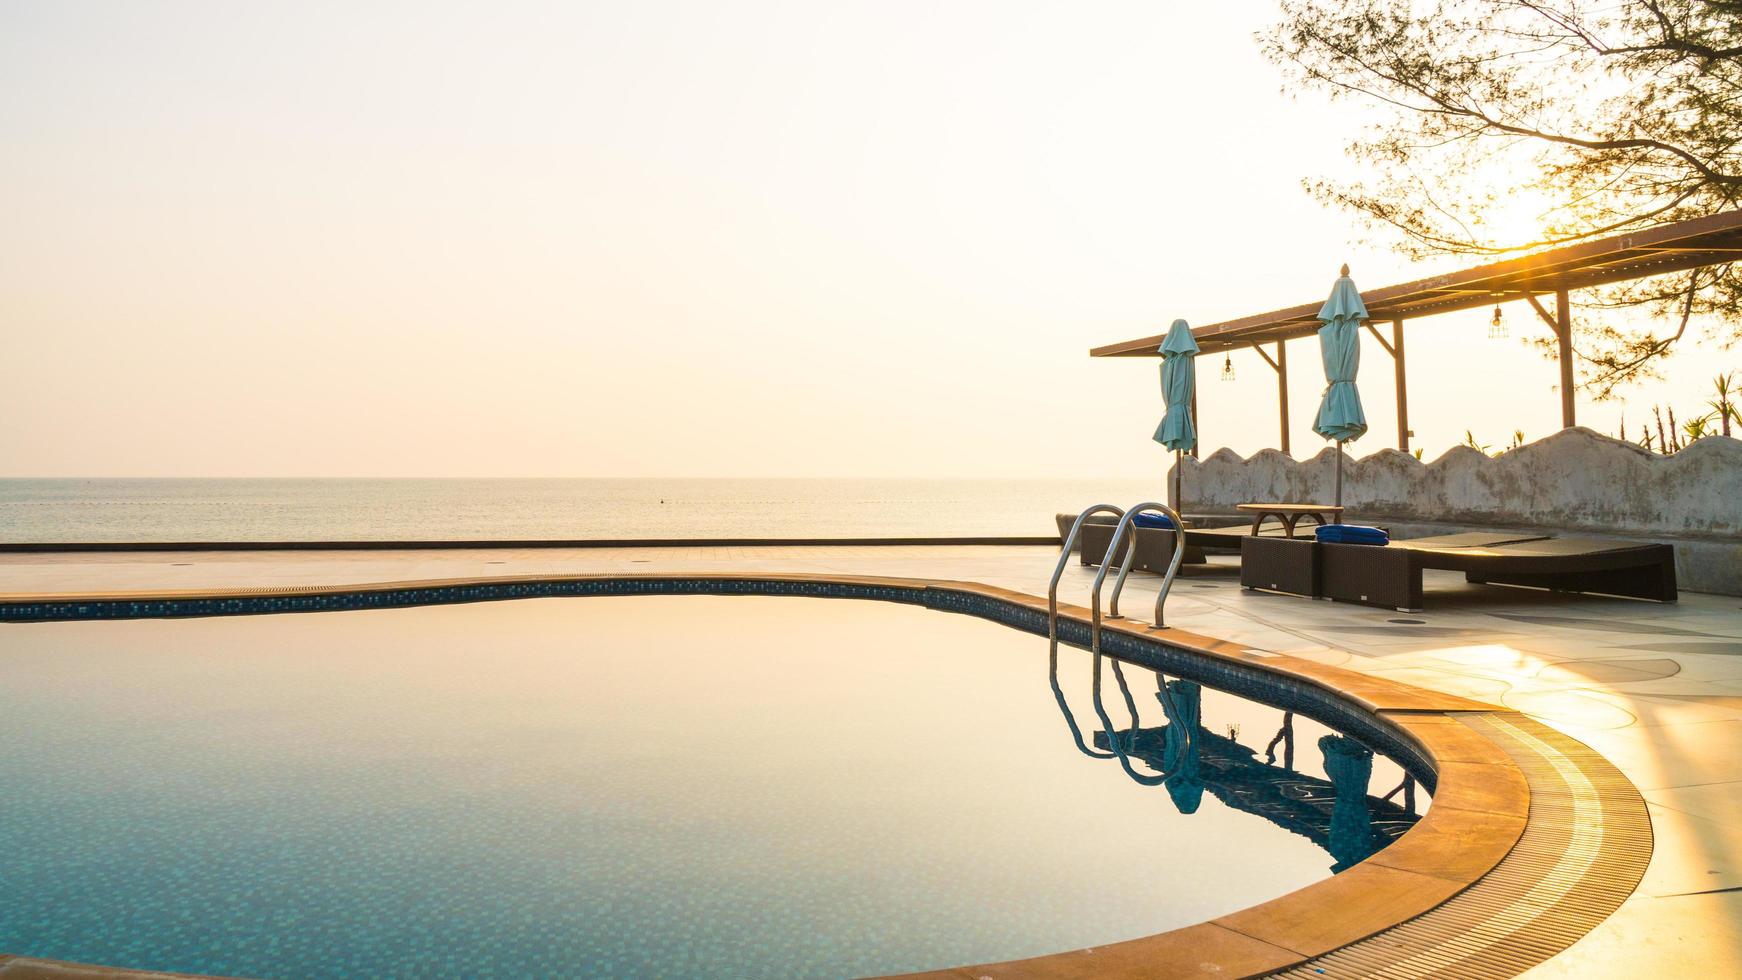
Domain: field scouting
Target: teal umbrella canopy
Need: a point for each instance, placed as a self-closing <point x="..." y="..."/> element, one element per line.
<point x="1340" y="416"/>
<point x="1178" y="381"/>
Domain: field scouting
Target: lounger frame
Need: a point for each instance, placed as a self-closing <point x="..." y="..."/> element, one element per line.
<point x="1390" y="577"/>
<point x="1154" y="547"/>
<point x="1277" y="564"/>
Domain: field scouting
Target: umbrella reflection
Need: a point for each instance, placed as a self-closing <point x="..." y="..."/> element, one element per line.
<point x="1350" y="766"/>
<point x="1335" y="813"/>
<point x="1179" y="755"/>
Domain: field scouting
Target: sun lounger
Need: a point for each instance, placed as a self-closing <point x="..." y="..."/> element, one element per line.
<point x="1390" y="576"/>
<point x="1154" y="545"/>
<point x="1279" y="564"/>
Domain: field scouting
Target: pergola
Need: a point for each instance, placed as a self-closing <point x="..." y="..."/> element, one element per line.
<point x="1712" y="240"/>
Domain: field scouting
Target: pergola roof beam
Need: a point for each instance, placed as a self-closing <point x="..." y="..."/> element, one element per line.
<point x="1712" y="240"/>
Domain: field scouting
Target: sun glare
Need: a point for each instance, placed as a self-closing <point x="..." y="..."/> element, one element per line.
<point x="1518" y="218"/>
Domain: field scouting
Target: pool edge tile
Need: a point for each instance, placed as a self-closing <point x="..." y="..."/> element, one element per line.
<point x="1205" y="949"/>
<point x="1362" y="901"/>
<point x="1452" y="843"/>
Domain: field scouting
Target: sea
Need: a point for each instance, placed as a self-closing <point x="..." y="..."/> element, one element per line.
<point x="188" y="510"/>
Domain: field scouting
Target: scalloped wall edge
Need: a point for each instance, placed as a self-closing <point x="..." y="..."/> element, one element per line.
<point x="1575" y="479"/>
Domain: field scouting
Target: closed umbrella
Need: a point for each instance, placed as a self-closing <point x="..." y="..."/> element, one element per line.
<point x="1340" y="416"/>
<point x="1178" y="380"/>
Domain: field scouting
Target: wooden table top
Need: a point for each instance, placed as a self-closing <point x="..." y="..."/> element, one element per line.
<point x="1290" y="508"/>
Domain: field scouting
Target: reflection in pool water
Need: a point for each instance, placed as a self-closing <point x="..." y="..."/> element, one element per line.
<point x="1336" y="813"/>
<point x="649" y="786"/>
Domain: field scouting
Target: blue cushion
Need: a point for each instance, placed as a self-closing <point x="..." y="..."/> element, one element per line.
<point x="1146" y="519"/>
<point x="1351" y="534"/>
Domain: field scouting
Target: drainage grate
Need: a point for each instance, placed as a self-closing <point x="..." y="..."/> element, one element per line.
<point x="1583" y="851"/>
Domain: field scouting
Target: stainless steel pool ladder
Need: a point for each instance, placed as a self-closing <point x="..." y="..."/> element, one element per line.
<point x="1058" y="572"/>
<point x="1125" y="527"/>
<point x="1052" y="625"/>
<point x="1119" y="532"/>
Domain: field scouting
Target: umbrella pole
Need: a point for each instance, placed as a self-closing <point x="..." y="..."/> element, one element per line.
<point x="1339" y="492"/>
<point x="1178" y="478"/>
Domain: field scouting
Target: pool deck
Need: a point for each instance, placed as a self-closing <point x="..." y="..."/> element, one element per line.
<point x="1654" y="689"/>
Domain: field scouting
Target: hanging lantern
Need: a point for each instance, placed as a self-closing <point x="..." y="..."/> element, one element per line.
<point x="1497" y="326"/>
<point x="1227" y="367"/>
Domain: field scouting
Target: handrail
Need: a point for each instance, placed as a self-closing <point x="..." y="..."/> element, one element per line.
<point x="1119" y="532"/>
<point x="1179" y="551"/>
<point x="1052" y="624"/>
<point x="1058" y="572"/>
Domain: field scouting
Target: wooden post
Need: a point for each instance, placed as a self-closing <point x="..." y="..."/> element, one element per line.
<point x="1282" y="391"/>
<point x="1402" y="385"/>
<point x="1279" y="364"/>
<point x="1564" y="333"/>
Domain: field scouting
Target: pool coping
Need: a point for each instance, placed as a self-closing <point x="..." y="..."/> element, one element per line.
<point x="1482" y="801"/>
<point x="490" y="544"/>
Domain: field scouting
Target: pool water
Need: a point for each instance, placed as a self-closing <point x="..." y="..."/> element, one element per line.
<point x="644" y="786"/>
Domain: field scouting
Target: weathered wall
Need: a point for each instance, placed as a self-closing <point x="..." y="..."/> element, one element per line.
<point x="1575" y="480"/>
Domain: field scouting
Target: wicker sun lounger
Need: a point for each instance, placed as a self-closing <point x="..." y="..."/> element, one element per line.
<point x="1390" y="576"/>
<point x="1278" y="564"/>
<point x="1154" y="545"/>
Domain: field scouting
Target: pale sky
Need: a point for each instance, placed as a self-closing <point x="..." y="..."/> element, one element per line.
<point x="675" y="239"/>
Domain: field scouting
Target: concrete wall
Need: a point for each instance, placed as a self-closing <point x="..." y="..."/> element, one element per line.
<point x="1573" y="481"/>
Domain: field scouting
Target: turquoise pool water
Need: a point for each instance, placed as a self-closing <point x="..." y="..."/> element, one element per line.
<point x="649" y="786"/>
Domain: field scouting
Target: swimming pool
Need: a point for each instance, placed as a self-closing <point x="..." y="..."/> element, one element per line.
<point x="634" y="786"/>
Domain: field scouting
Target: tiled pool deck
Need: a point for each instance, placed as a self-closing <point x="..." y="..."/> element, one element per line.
<point x="1656" y="689"/>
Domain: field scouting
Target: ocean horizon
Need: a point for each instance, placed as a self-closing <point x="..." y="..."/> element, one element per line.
<point x="135" y="510"/>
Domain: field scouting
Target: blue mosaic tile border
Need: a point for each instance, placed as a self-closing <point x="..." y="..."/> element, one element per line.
<point x="1252" y="683"/>
<point x="251" y="605"/>
<point x="1246" y="681"/>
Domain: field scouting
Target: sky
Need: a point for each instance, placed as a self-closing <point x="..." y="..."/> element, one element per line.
<point x="744" y="239"/>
